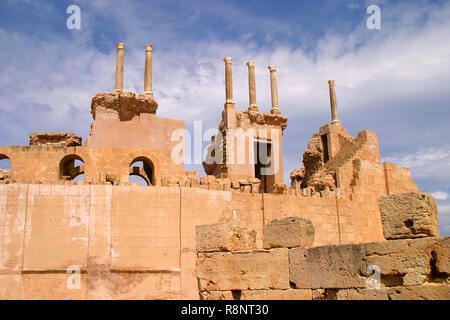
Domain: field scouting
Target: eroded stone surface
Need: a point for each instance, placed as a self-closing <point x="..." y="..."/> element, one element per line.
<point x="224" y="237"/>
<point x="327" y="267"/>
<point x="409" y="215"/>
<point x="410" y="262"/>
<point x="288" y="232"/>
<point x="258" y="269"/>
<point x="59" y="139"/>
<point x="125" y="104"/>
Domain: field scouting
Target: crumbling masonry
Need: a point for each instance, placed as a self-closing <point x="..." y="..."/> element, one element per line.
<point x="102" y="237"/>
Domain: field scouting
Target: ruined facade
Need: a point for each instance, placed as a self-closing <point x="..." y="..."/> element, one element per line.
<point x="138" y="242"/>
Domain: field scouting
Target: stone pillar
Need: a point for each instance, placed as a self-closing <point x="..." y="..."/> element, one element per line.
<point x="148" y="69"/>
<point x="119" y="67"/>
<point x="334" y="115"/>
<point x="228" y="81"/>
<point x="252" y="86"/>
<point x="274" y="90"/>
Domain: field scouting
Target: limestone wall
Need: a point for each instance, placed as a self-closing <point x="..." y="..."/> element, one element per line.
<point x="41" y="164"/>
<point x="138" y="242"/>
<point x="405" y="269"/>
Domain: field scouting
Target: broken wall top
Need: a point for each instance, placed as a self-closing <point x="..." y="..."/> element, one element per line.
<point x="125" y="105"/>
<point x="58" y="139"/>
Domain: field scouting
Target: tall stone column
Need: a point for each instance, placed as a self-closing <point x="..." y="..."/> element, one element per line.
<point x="119" y="67"/>
<point x="334" y="114"/>
<point x="274" y="90"/>
<point x="252" y="86"/>
<point x="148" y="69"/>
<point x="228" y="81"/>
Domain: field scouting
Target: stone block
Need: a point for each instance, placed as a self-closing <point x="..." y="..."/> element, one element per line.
<point x="279" y="188"/>
<point x="409" y="215"/>
<point x="224" y="237"/>
<point x="328" y="267"/>
<point x="411" y="261"/>
<point x="290" y="294"/>
<point x="423" y="292"/>
<point x="288" y="232"/>
<point x="216" y="295"/>
<point x="258" y="269"/>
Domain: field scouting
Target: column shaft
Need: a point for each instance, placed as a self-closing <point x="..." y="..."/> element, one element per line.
<point x="148" y="69"/>
<point x="228" y="81"/>
<point x="119" y="67"/>
<point x="274" y="89"/>
<point x="334" y="114"/>
<point x="252" y="86"/>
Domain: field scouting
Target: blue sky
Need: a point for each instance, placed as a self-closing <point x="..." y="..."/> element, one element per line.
<point x="394" y="81"/>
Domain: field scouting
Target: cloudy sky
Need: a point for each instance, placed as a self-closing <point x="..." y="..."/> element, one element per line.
<point x="394" y="80"/>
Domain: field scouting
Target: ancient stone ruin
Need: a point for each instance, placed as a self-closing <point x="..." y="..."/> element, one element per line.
<point x="73" y="226"/>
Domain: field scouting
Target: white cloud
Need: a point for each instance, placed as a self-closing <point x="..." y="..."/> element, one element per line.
<point x="444" y="209"/>
<point x="405" y="62"/>
<point x="440" y="195"/>
<point x="432" y="163"/>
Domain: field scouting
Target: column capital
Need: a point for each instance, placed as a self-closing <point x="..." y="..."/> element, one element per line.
<point x="149" y="47"/>
<point x="331" y="82"/>
<point x="120" y="45"/>
<point x="227" y="59"/>
<point x="251" y="64"/>
<point x="272" y="68"/>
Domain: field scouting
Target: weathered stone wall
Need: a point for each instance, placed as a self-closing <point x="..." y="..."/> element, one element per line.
<point x="407" y="269"/>
<point x="142" y="234"/>
<point x="41" y="164"/>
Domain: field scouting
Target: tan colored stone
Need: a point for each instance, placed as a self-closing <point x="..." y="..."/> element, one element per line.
<point x="58" y="139"/>
<point x="124" y="104"/>
<point x="216" y="295"/>
<point x="288" y="232"/>
<point x="289" y="294"/>
<point x="223" y="237"/>
<point x="334" y="113"/>
<point x="425" y="292"/>
<point x="411" y="261"/>
<point x="119" y="67"/>
<point x="228" y="81"/>
<point x="362" y="294"/>
<point x="328" y="267"/>
<point x="252" y="87"/>
<point x="259" y="269"/>
<point x="409" y="215"/>
<point x="280" y="188"/>
<point x="148" y="69"/>
<point x="274" y="90"/>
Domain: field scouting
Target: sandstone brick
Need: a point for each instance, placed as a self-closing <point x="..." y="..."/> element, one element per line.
<point x="362" y="294"/>
<point x="425" y="292"/>
<point x="409" y="215"/>
<point x="410" y="260"/>
<point x="289" y="294"/>
<point x="216" y="295"/>
<point x="288" y="232"/>
<point x="224" y="237"/>
<point x="328" y="267"/>
<point x="258" y="269"/>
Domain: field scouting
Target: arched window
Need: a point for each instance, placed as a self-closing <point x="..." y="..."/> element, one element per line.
<point x="141" y="171"/>
<point x="5" y="167"/>
<point x="5" y="162"/>
<point x="71" y="167"/>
